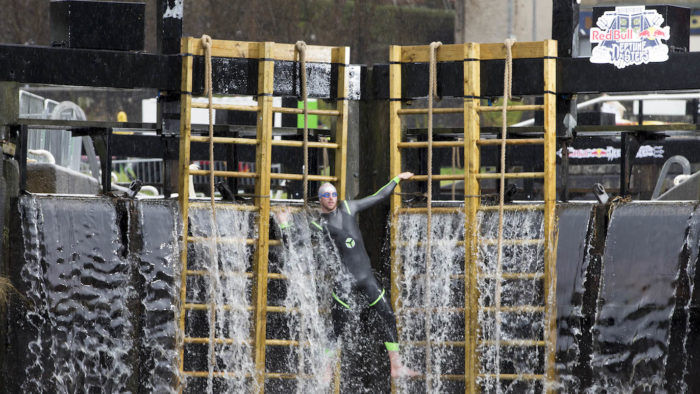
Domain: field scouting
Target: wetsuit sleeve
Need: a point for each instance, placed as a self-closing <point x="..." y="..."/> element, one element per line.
<point x="381" y="194"/>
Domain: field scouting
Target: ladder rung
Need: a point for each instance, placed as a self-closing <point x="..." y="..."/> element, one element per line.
<point x="512" y="242"/>
<point x="229" y="341"/>
<point x="433" y="242"/>
<point x="299" y="144"/>
<point x="224" y="140"/>
<point x="512" y="376"/>
<point x="225" y="341"/>
<point x="204" y="307"/>
<point x="221" y="274"/>
<point x="436" y="343"/>
<point x="511" y="141"/>
<point x="223" y="240"/>
<point x="435" y="309"/>
<point x="443" y="210"/>
<point x="299" y="177"/>
<point x="300" y="111"/>
<point x="219" y="374"/>
<point x="452" y="276"/>
<point x="513" y="342"/>
<point x="436" y="177"/>
<point x="270" y="275"/>
<point x="433" y="210"/>
<point x="442" y="377"/>
<point x="509" y="175"/>
<point x="514" y="275"/>
<point x="225" y="174"/>
<point x="205" y="374"/>
<point x="524" y="107"/>
<point x="283" y="375"/>
<point x="513" y="207"/>
<point x="514" y="309"/>
<point x="227" y="107"/>
<point x="224" y="205"/>
<point x="270" y="308"/>
<point x="436" y="144"/>
<point x="418" y="111"/>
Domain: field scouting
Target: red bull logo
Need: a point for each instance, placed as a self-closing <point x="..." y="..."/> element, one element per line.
<point x="630" y="36"/>
<point x="598" y="35"/>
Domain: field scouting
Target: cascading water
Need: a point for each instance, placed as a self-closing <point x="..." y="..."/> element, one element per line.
<point x="158" y="254"/>
<point x="224" y="287"/>
<point x="632" y="330"/>
<point x="496" y="321"/>
<point x="75" y="278"/>
<point x="442" y="308"/>
<point x="309" y="264"/>
<point x="574" y="250"/>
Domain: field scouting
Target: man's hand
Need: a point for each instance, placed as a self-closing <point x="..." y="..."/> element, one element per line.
<point x="405" y="175"/>
<point x="283" y="216"/>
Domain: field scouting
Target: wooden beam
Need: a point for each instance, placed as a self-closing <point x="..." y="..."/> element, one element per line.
<point x="395" y="168"/>
<point x="262" y="200"/>
<point x="550" y="249"/>
<point x="472" y="164"/>
<point x="342" y="54"/>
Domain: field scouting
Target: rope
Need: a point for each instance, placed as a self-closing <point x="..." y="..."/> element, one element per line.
<point x="206" y="44"/>
<point x="300" y="46"/>
<point x="432" y="91"/>
<point x="208" y="91"/>
<point x="507" y="84"/>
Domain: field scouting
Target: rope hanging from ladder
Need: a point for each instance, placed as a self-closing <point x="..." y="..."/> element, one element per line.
<point x="432" y="92"/>
<point x="208" y="91"/>
<point x="300" y="46"/>
<point x="507" y="84"/>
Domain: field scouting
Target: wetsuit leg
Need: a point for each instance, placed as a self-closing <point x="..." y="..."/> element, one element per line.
<point x="378" y="301"/>
<point x="340" y="313"/>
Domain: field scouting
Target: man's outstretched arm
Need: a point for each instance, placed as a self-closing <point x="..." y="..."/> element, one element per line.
<point x="381" y="194"/>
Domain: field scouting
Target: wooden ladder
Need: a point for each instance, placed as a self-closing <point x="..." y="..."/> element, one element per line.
<point x="471" y="54"/>
<point x="266" y="53"/>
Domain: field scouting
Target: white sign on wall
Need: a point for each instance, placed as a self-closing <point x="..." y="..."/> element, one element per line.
<point x="630" y="36"/>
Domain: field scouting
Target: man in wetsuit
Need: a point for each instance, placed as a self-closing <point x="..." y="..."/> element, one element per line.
<point x="339" y="220"/>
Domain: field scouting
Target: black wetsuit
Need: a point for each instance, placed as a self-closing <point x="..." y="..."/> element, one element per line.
<point x="342" y="226"/>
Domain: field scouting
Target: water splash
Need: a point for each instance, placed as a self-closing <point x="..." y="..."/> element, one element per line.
<point x="224" y="286"/>
<point x="442" y="308"/>
<point x="310" y="264"/>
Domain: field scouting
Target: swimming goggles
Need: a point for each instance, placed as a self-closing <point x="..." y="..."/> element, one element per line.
<point x="328" y="194"/>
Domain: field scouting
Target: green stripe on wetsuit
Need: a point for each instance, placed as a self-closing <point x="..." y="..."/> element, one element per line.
<point x="392" y="346"/>
<point x="394" y="179"/>
<point x="378" y="298"/>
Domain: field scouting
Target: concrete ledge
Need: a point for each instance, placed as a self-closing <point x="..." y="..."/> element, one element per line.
<point x="51" y="178"/>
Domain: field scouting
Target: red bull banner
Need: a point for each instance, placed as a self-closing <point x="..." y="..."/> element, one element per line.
<point x="630" y="36"/>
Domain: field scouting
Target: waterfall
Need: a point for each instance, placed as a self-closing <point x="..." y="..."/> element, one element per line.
<point x="158" y="253"/>
<point x="76" y="281"/>
<point x="642" y="264"/>
<point x="442" y="309"/>
<point x="224" y="286"/>
<point x="309" y="264"/>
<point x="527" y="257"/>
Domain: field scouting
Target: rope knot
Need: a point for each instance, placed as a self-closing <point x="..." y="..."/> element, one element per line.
<point x="433" y="67"/>
<point x="300" y="46"/>
<point x="206" y="41"/>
